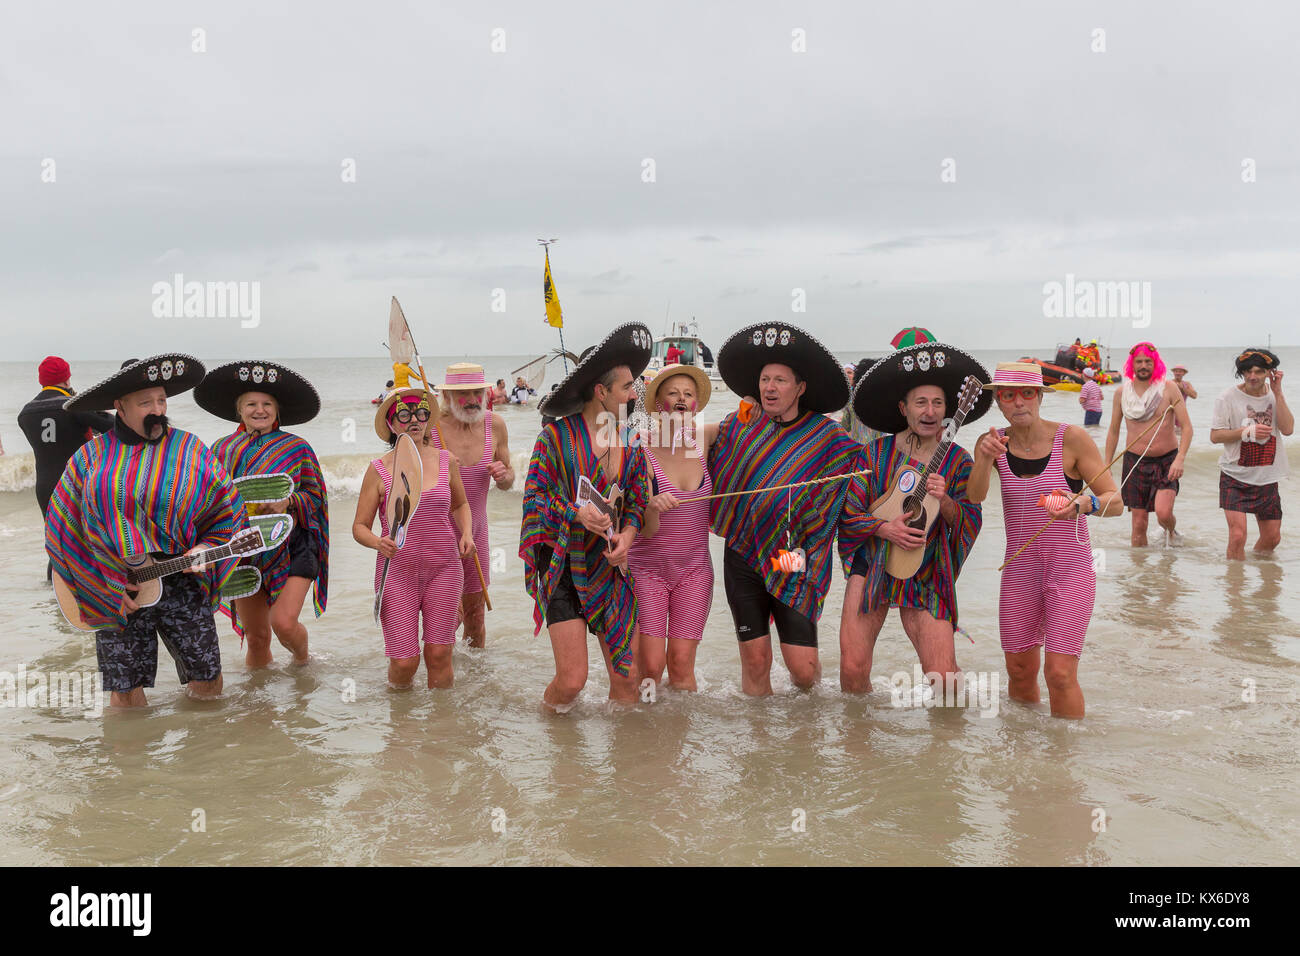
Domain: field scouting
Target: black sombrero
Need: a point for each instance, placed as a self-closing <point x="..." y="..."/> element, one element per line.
<point x="174" y="372"/>
<point x="878" y="391"/>
<point x="742" y="357"/>
<point x="298" y="399"/>
<point x="628" y="345"/>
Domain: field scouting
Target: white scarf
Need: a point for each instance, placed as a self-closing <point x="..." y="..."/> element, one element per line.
<point x="1140" y="407"/>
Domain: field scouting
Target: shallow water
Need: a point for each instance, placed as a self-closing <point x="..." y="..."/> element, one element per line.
<point x="325" y="765"/>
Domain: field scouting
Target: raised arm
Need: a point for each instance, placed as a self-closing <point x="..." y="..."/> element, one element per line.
<point x="988" y="449"/>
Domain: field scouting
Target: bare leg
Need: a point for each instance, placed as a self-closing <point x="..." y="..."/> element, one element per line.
<point x="401" y="671"/>
<point x="622" y="689"/>
<point x="255" y="618"/>
<point x="681" y="663"/>
<point x="205" y="689"/>
<point x="569" y="645"/>
<point x="472" y="607"/>
<point x="1236" y="535"/>
<point x="1063" y="690"/>
<point x="652" y="657"/>
<point x="858" y="633"/>
<point x="437" y="661"/>
<point x="756" y="666"/>
<point x="284" y="618"/>
<point x="1165" y="509"/>
<point x="1022" y="675"/>
<point x="129" y="698"/>
<point x="805" y="669"/>
<point x="932" y="639"/>
<point x="1270" y="535"/>
<point x="1139" y="538"/>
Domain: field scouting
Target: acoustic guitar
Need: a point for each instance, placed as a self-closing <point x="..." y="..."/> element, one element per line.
<point x="907" y="495"/>
<point x="144" y="575"/>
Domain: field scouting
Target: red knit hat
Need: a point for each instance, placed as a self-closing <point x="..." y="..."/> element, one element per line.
<point x="54" y="371"/>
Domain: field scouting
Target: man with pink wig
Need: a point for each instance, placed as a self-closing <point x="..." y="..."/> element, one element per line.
<point x="1150" y="406"/>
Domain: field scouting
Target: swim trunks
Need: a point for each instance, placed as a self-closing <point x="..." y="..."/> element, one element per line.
<point x="1262" y="501"/>
<point x="752" y="606"/>
<point x="128" y="657"/>
<point x="1150" y="476"/>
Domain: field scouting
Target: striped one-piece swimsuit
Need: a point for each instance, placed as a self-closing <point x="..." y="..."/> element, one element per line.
<point x="477" y="481"/>
<point x="672" y="573"/>
<point x="425" y="576"/>
<point x="1048" y="591"/>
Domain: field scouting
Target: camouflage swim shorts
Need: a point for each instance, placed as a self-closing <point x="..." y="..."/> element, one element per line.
<point x="128" y="658"/>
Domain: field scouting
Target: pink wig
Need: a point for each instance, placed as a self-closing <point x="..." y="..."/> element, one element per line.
<point x="1146" y="348"/>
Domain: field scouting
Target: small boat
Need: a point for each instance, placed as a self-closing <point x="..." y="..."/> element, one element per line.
<point x="694" y="352"/>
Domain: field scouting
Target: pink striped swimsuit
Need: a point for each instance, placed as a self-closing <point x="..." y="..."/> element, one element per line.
<point x="425" y="576"/>
<point x="477" y="481"/>
<point x="672" y="573"/>
<point x="1049" y="590"/>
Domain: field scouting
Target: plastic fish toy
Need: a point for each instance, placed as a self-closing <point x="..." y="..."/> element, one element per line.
<point x="791" y="562"/>
<point x="1055" y="500"/>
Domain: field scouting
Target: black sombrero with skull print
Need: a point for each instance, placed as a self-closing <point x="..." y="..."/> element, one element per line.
<point x="743" y="356"/>
<point x="174" y="372"/>
<point x="628" y="345"/>
<point x="220" y="389"/>
<point x="879" y="389"/>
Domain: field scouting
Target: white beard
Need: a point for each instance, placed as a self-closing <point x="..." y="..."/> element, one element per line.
<point x="464" y="416"/>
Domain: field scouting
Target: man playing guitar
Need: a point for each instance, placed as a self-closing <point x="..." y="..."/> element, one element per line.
<point x="907" y="526"/>
<point x="144" y="489"/>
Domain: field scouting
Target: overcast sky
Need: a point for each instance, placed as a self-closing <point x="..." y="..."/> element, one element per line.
<point x="774" y="170"/>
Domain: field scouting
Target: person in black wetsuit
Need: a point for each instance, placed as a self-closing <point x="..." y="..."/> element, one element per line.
<point x="55" y="435"/>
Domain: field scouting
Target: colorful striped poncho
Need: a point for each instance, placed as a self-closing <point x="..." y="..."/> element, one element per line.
<point x="278" y="451"/>
<point x="120" y="499"/>
<point x="933" y="587"/>
<point x="761" y="454"/>
<point x="563" y="452"/>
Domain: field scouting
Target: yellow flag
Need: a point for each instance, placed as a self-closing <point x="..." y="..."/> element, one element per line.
<point x="553" y="315"/>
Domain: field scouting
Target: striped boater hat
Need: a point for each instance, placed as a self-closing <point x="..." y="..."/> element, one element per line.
<point x="296" y="397"/>
<point x="463" y="376"/>
<point x="1018" y="373"/>
<point x="743" y="356"/>
<point x="879" y="390"/>
<point x="173" y="372"/>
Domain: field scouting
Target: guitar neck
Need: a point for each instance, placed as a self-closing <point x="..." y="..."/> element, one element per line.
<point x="172" y="565"/>
<point x="937" y="458"/>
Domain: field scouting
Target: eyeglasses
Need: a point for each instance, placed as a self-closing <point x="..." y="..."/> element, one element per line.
<point x="1027" y="392"/>
<point x="403" y="415"/>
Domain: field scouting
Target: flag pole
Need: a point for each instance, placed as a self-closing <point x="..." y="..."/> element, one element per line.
<point x="564" y="357"/>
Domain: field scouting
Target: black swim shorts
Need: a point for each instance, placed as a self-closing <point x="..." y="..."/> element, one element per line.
<point x="565" y="603"/>
<point x="128" y="658"/>
<point x="302" y="554"/>
<point x="752" y="607"/>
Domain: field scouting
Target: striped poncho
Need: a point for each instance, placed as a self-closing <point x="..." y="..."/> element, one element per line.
<point x="933" y="587"/>
<point x="278" y="451"/>
<point x="563" y="452"/>
<point x="761" y="454"/>
<point x="121" y="499"/>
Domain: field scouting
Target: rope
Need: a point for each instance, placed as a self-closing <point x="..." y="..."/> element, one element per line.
<point x="796" y="484"/>
<point x="1088" y="484"/>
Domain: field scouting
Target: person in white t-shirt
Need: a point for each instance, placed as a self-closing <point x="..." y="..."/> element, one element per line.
<point x="1249" y="421"/>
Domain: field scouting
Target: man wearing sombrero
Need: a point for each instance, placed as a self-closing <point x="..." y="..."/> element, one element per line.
<point x="786" y="439"/>
<point x="478" y="439"/>
<point x="575" y="557"/>
<point x="262" y="397"/>
<point x="142" y="488"/>
<point x="1249" y="422"/>
<point x="908" y="395"/>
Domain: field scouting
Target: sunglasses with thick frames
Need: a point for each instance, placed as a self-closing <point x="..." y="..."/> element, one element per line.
<point x="1027" y="392"/>
<point x="403" y="415"/>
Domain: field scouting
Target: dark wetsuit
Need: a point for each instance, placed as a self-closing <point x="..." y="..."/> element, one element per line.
<point x="55" y="436"/>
